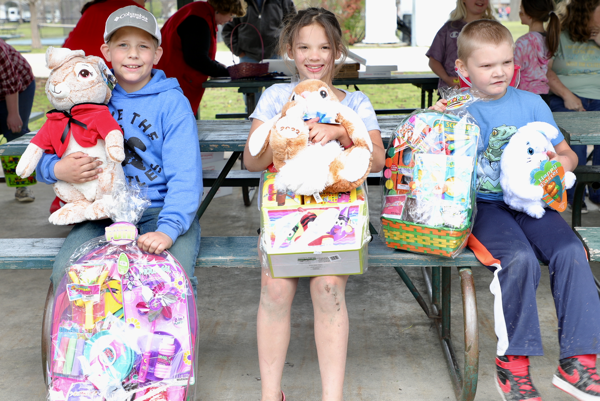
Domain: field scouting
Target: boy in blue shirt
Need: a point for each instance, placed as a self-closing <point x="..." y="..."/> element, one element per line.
<point x="161" y="146"/>
<point x="510" y="243"/>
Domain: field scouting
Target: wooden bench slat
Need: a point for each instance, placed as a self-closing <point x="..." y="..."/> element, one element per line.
<point x="39" y="253"/>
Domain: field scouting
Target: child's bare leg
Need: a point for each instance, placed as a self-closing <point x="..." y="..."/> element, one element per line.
<point x="273" y="332"/>
<point x="331" y="332"/>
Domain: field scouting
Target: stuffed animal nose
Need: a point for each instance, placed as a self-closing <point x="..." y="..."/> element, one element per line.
<point x="59" y="91"/>
<point x="305" y="94"/>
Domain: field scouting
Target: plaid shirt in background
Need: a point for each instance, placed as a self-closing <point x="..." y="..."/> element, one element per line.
<point x="15" y="71"/>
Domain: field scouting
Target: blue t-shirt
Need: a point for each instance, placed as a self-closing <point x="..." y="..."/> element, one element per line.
<point x="275" y="97"/>
<point x="498" y="121"/>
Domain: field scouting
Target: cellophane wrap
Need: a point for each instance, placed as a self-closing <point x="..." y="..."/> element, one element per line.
<point x="304" y="236"/>
<point x="123" y="322"/>
<point x="428" y="182"/>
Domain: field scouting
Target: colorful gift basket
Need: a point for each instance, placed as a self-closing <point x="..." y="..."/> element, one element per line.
<point x="429" y="180"/>
<point x="123" y="324"/>
<point x="306" y="236"/>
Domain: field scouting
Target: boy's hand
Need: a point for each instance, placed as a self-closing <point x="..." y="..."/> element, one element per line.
<point x="154" y="242"/>
<point x="77" y="168"/>
<point x="324" y="133"/>
<point x="440" y="105"/>
<point x="563" y="160"/>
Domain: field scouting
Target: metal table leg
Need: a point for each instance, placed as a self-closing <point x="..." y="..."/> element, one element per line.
<point x="465" y="384"/>
<point x="47" y="332"/>
<point x="218" y="182"/>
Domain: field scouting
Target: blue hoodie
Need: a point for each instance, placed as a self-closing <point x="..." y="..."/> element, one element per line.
<point x="161" y="150"/>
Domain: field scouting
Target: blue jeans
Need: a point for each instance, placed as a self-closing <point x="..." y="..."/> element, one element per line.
<point x="25" y="105"/>
<point x="185" y="249"/>
<point x="557" y="104"/>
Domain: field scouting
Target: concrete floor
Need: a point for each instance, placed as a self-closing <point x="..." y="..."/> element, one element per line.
<point x="393" y="351"/>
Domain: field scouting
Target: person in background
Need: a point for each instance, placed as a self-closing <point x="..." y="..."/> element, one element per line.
<point x="534" y="49"/>
<point x="442" y="53"/>
<point x="574" y="73"/>
<point x="17" y="90"/>
<point x="190" y="44"/>
<point x="267" y="17"/>
<point x="89" y="31"/>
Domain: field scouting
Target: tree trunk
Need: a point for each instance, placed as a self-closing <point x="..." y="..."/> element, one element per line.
<point x="36" y="42"/>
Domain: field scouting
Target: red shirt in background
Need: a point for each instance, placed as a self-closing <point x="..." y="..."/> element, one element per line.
<point x="88" y="34"/>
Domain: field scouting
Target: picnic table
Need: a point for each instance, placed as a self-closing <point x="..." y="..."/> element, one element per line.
<point x="230" y="136"/>
<point x="250" y="87"/>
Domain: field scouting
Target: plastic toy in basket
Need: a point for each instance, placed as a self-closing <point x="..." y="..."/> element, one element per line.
<point x="124" y="324"/>
<point x="429" y="180"/>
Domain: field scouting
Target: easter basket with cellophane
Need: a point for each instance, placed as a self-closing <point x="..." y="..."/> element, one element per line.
<point x="428" y="181"/>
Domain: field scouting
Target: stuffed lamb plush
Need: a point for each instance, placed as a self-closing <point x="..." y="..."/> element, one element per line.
<point x="79" y="88"/>
<point x="524" y="153"/>
<point x="306" y="168"/>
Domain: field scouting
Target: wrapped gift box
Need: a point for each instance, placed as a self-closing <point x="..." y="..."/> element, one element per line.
<point x="304" y="237"/>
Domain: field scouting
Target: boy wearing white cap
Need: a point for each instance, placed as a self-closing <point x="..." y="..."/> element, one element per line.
<point x="161" y="146"/>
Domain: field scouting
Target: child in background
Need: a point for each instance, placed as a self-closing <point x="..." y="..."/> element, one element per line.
<point x="161" y="146"/>
<point x="534" y="49"/>
<point x="313" y="39"/>
<point x="511" y="244"/>
<point x="442" y="53"/>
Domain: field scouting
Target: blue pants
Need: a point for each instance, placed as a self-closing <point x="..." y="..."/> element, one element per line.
<point x="185" y="249"/>
<point x="25" y="105"/>
<point x="557" y="104"/>
<point x="510" y="243"/>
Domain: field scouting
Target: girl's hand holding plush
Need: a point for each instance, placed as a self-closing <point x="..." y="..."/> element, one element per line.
<point x="324" y="133"/>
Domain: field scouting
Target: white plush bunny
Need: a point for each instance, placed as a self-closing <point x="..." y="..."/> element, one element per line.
<point x="525" y="151"/>
<point x="79" y="88"/>
<point x="306" y="168"/>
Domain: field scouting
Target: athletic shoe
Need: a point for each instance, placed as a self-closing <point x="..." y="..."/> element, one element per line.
<point x="577" y="376"/>
<point x="24" y="194"/>
<point x="513" y="380"/>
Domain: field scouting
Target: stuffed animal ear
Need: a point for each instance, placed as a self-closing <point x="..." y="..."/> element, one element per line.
<point x="260" y="137"/>
<point x="109" y="79"/>
<point x="548" y="130"/>
<point x="55" y="57"/>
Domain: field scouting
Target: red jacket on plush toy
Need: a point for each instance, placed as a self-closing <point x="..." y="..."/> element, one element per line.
<point x="79" y="88"/>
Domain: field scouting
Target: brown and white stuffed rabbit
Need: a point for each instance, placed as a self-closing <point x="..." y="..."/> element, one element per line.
<point x="79" y="87"/>
<point x="306" y="168"/>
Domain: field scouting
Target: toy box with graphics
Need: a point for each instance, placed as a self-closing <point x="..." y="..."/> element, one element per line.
<point x="304" y="236"/>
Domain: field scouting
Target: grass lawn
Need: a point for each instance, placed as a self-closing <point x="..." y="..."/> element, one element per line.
<point x="228" y="100"/>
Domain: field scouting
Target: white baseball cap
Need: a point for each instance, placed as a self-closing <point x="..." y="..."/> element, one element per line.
<point x="134" y="16"/>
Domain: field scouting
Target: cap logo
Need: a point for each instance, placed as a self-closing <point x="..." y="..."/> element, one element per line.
<point x="132" y="15"/>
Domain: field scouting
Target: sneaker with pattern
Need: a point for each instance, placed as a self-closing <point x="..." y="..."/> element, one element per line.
<point x="513" y="380"/>
<point x="24" y="194"/>
<point x="577" y="376"/>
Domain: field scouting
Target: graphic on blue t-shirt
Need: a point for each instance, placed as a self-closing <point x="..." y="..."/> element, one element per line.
<point x="488" y="166"/>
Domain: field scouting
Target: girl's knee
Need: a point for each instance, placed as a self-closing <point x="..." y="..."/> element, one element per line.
<point x="277" y="293"/>
<point x="328" y="291"/>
